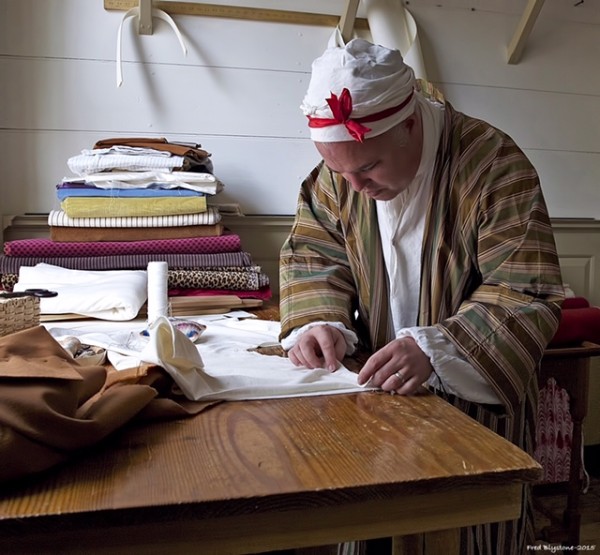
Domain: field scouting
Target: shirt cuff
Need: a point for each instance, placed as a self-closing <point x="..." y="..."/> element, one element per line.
<point x="457" y="376"/>
<point x="351" y="338"/>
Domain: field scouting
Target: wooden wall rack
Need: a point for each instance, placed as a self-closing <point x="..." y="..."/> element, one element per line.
<point x="239" y="12"/>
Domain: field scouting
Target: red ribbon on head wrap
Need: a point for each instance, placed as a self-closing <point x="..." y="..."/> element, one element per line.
<point x="341" y="108"/>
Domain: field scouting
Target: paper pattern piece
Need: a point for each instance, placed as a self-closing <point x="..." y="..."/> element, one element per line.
<point x="393" y="26"/>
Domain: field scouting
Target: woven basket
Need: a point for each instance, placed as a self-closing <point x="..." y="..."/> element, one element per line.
<point x="18" y="314"/>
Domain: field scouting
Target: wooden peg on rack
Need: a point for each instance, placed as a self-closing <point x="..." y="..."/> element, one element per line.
<point x="145" y="17"/>
<point x="347" y="20"/>
<point x="517" y="44"/>
<point x="240" y="12"/>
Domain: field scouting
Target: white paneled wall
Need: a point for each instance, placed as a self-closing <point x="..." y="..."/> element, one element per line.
<point x="549" y="102"/>
<point x="238" y="90"/>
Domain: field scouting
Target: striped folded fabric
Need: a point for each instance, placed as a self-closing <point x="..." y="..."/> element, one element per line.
<point x="83" y="164"/>
<point x="59" y="218"/>
<point x="11" y="264"/>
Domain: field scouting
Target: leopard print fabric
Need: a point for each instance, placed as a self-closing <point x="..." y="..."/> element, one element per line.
<point x="237" y="280"/>
<point x="8" y="281"/>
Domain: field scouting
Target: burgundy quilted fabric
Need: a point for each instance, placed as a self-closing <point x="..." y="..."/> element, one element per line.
<point x="193" y="245"/>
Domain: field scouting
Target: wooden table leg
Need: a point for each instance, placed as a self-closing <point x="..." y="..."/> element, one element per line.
<point x="578" y="406"/>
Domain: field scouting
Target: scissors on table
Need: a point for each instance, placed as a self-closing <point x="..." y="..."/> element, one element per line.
<point x="28" y="293"/>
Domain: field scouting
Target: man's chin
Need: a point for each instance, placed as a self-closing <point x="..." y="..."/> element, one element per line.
<point x="381" y="194"/>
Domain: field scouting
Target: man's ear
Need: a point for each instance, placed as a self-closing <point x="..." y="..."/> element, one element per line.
<point x="410" y="122"/>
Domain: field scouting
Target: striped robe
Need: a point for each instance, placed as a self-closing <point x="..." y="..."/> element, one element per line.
<point x="490" y="278"/>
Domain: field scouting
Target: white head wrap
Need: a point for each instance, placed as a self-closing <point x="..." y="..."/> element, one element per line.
<point x="379" y="84"/>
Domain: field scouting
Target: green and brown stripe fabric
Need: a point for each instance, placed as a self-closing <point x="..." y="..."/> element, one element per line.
<point x="490" y="277"/>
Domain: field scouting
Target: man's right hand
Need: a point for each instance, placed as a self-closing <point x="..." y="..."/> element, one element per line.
<point x="319" y="347"/>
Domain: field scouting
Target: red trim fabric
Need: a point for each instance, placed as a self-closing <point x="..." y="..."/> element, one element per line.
<point x="578" y="322"/>
<point x="341" y="108"/>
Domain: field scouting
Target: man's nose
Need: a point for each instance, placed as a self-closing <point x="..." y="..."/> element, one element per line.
<point x="357" y="182"/>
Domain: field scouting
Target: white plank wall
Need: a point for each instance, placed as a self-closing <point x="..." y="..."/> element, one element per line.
<point x="237" y="92"/>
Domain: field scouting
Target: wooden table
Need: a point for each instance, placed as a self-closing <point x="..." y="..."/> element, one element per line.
<point x="262" y="475"/>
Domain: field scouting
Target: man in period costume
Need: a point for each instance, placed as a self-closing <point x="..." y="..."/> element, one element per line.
<point x="423" y="238"/>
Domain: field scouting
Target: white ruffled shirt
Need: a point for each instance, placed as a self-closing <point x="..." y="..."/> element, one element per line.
<point x="401" y="227"/>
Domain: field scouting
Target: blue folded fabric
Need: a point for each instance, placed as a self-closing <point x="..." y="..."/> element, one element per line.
<point x="63" y="192"/>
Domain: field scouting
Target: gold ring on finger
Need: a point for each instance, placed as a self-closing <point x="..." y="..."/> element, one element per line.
<point x="400" y="377"/>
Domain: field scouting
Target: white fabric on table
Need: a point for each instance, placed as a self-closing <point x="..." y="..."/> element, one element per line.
<point x="106" y="294"/>
<point x="220" y="366"/>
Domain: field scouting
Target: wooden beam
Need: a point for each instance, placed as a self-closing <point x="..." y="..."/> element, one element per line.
<point x="517" y="44"/>
<point x="238" y="12"/>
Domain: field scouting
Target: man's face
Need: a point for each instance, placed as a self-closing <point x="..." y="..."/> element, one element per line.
<point x="381" y="167"/>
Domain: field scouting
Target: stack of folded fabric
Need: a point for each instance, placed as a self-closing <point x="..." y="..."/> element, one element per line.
<point x="137" y="189"/>
<point x="204" y="272"/>
<point x="137" y="201"/>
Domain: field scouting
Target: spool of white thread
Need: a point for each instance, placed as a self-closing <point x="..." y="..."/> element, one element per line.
<point x="158" y="296"/>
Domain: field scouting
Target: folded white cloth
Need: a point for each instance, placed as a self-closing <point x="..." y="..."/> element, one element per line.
<point x="221" y="366"/>
<point x="108" y="295"/>
<point x="124" y="149"/>
<point x="83" y="164"/>
<point x="200" y="182"/>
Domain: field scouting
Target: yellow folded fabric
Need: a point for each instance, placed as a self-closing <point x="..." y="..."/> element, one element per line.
<point x="101" y="207"/>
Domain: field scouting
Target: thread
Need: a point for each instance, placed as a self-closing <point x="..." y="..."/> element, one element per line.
<point x="158" y="296"/>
